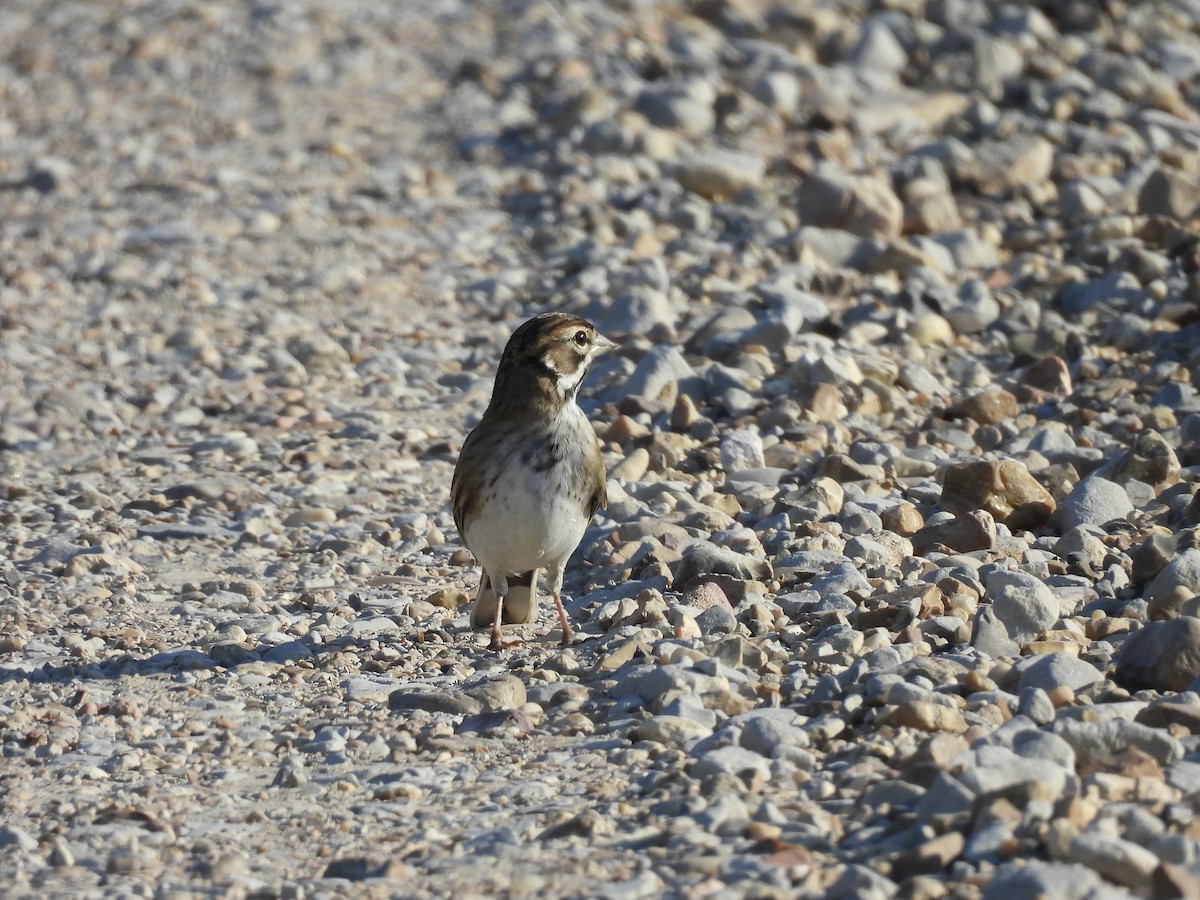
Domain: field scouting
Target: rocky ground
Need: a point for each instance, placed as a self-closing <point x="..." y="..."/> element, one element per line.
<point x="896" y="591"/>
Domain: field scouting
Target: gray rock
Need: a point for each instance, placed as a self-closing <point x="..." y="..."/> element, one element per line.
<point x="1177" y="582"/>
<point x="674" y="731"/>
<point x="992" y="769"/>
<point x="1037" y="744"/>
<point x="843" y="578"/>
<point x="727" y="815"/>
<point x="663" y="364"/>
<point x="1094" y="501"/>
<point x="1118" y="860"/>
<point x="681" y="106"/>
<point x="994" y="62"/>
<point x="1169" y="192"/>
<point x="716" y="620"/>
<point x="15" y="836"/>
<point x="988" y="635"/>
<point x="1185" y="775"/>
<point x="737" y="761"/>
<point x="1034" y="878"/>
<point x="1161" y="656"/>
<point x="1035" y="705"/>
<point x="921" y="380"/>
<point x="946" y="796"/>
<point x="639" y="309"/>
<point x="877" y="49"/>
<point x="1101" y="741"/>
<point x="779" y="91"/>
<point x="741" y="449"/>
<point x="769" y="735"/>
<point x="703" y="558"/>
<point x="1022" y="603"/>
<point x="717" y="173"/>
<point x="862" y="205"/>
<point x="858" y="882"/>
<point x="1047" y="671"/>
<point x="327" y="740"/>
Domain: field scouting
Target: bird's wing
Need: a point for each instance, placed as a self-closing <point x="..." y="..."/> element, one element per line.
<point x="466" y="488"/>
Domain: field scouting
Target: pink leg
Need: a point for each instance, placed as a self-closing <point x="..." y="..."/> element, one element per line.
<point x="496" y="643"/>
<point x="568" y="635"/>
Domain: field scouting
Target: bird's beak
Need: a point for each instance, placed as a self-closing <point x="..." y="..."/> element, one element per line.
<point x="602" y="345"/>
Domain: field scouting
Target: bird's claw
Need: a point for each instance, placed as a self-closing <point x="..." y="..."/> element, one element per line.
<point x="497" y="644"/>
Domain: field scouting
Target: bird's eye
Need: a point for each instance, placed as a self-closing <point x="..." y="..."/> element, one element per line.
<point x="580" y="338"/>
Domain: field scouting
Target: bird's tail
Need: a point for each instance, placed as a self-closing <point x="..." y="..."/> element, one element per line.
<point x="520" y="605"/>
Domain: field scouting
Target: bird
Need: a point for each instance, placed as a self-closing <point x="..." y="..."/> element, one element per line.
<point x="530" y="476"/>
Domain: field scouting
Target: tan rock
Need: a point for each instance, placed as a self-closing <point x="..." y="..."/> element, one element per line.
<point x="1003" y="488"/>
<point x="821" y="401"/>
<point x="1050" y="375"/>
<point x="929" y="207"/>
<point x="926" y="716"/>
<point x="447" y="598"/>
<point x="684" y="413"/>
<point x="633" y="467"/>
<point x="864" y="205"/>
<point x="1151" y="459"/>
<point x="987" y="407"/>
<point x="935" y="855"/>
<point x="974" y="530"/>
<point x="902" y="519"/>
<point x="1167" y="192"/>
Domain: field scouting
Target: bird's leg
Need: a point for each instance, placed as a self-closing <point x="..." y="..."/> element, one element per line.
<point x="568" y="635"/>
<point x="496" y="643"/>
<point x="500" y="586"/>
<point x="554" y="575"/>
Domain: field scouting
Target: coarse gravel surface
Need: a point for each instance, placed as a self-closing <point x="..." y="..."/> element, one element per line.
<point x="897" y="592"/>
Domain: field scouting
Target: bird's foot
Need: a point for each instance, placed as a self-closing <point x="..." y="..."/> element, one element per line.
<point x="498" y="643"/>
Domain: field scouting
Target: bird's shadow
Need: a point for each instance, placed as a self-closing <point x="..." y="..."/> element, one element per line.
<point x="222" y="657"/>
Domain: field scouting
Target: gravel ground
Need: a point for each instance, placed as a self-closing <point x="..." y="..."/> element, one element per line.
<point x="896" y="591"/>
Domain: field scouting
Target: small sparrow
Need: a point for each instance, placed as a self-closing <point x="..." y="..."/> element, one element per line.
<point x="530" y="476"/>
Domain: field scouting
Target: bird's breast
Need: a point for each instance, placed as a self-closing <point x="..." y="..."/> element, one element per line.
<point x="534" y="509"/>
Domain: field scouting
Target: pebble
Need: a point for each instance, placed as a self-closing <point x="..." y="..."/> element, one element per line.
<point x="1048" y="671"/>
<point x="1094" y="501"/>
<point x="716" y="174"/>
<point x="1178" y="582"/>
<point x="1095" y="742"/>
<point x="1161" y="656"/>
<point x="740" y="450"/>
<point x="1024" y="605"/>
<point x="1005" y="489"/>
<point x="862" y="205"/>
<point x="1032" y="878"/>
<point x="1118" y="860"/>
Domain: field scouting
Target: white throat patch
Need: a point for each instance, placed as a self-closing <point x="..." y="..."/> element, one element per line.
<point x="568" y="385"/>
